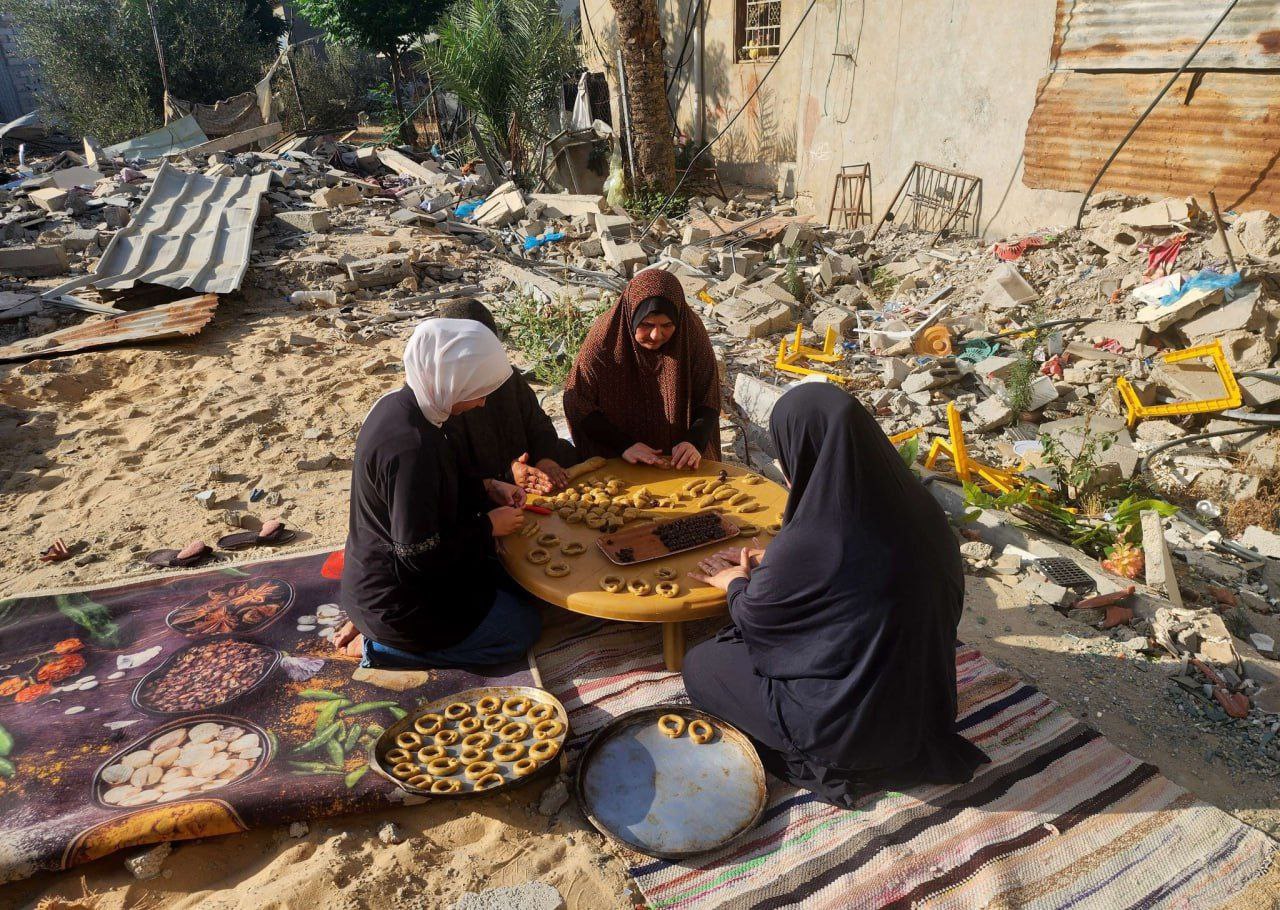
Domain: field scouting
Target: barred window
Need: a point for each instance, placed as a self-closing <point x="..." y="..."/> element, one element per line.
<point x="759" y="29"/>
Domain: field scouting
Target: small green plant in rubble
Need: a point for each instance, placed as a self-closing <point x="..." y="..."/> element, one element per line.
<point x="548" y="334"/>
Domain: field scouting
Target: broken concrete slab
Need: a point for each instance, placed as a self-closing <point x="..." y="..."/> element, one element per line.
<point x="1159" y="563"/>
<point x="34" y="261"/>
<point x="1167" y="213"/>
<point x="1245" y="313"/>
<point x="379" y="271"/>
<point x="1265" y="542"/>
<point x="626" y="258"/>
<point x="739" y="262"/>
<point x="990" y="414"/>
<point x="1158" y="317"/>
<point x="51" y="199"/>
<point x="834" y="317"/>
<point x="1071" y="434"/>
<point x="569" y="205"/>
<point x="428" y="172"/>
<point x="1007" y="288"/>
<point x="332" y="197"/>
<point x="756" y="398"/>
<point x="501" y="209"/>
<point x="306" y="220"/>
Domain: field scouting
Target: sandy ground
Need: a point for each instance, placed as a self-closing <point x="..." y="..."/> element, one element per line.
<point x="106" y="450"/>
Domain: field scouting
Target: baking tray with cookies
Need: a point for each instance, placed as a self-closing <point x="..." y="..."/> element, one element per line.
<point x="659" y="539"/>
<point x="475" y="742"/>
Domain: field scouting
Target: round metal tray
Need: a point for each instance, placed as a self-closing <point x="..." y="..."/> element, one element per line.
<point x="387" y="741"/>
<point x="665" y="797"/>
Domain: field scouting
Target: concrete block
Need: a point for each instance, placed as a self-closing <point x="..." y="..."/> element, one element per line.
<point x="1245" y="314"/>
<point x="34" y="261"/>
<point x="798" y="237"/>
<point x="332" y="197"/>
<point x="51" y="199"/>
<point x="78" y="240"/>
<point x="569" y="205"/>
<point x="591" y="248"/>
<point x="626" y="258"/>
<point x="739" y="262"/>
<point x="1159" y="563"/>
<point x="990" y="414"/>
<point x="692" y="234"/>
<point x="893" y="371"/>
<point x="756" y="398"/>
<point x="1007" y="288"/>
<point x="696" y="256"/>
<point x="501" y="209"/>
<point x="1158" y="317"/>
<point x="835" y="317"/>
<point x="617" y="227"/>
<point x="308" y="220"/>
<point x="1265" y="542"/>
<point x="835" y="269"/>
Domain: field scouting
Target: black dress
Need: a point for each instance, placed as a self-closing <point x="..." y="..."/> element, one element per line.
<point x="486" y="440"/>
<point x="416" y="575"/>
<point x="840" y="660"/>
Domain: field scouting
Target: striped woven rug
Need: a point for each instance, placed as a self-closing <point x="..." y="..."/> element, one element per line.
<point x="1060" y="818"/>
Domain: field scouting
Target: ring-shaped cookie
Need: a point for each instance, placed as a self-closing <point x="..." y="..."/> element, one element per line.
<point x="664" y="573"/>
<point x="524" y="767"/>
<point x="774" y="528"/>
<point x="446" y="737"/>
<point x="541" y="711"/>
<point x="478" y="740"/>
<point x="446" y="786"/>
<point x="469" y="754"/>
<point x="573" y="548"/>
<point x="469" y="725"/>
<point x="548" y="729"/>
<point x="671" y="725"/>
<point x="505" y="752"/>
<point x="612" y="583"/>
<point x="638" y="587"/>
<point x="489" y="704"/>
<point x="428" y="754"/>
<point x="495" y="722"/>
<point x="700" y="731"/>
<point x="544" y="749"/>
<point x="514" y="732"/>
<point x="489" y="781"/>
<point x="595" y="522"/>
<point x="557" y="569"/>
<point x="748" y="530"/>
<point x="457" y="710"/>
<point x="404" y="770"/>
<point x="443" y="767"/>
<point x="516" y="705"/>
<point x="420" y="781"/>
<point x="537" y="556"/>
<point x="548" y="541"/>
<point x="667" y="589"/>
<point x="429" y="724"/>
<point x="479" y="769"/>
<point x="397" y="755"/>
<point x="408" y="740"/>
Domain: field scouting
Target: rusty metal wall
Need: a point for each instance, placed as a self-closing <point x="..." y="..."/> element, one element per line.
<point x="1160" y="34"/>
<point x="182" y="317"/>
<point x="1227" y="138"/>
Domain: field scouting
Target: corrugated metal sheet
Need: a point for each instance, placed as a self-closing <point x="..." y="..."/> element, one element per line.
<point x="177" y="136"/>
<point x="191" y="232"/>
<point x="182" y="317"/>
<point x="1226" y="139"/>
<point x="1160" y="34"/>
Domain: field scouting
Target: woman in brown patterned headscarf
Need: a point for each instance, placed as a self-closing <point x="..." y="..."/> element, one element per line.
<point x="645" y="385"/>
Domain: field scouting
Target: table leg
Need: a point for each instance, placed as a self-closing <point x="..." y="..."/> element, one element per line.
<point x="673" y="645"/>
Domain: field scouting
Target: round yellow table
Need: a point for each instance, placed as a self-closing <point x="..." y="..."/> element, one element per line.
<point x="580" y="590"/>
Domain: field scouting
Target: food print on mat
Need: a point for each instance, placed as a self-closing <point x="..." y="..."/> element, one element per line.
<point x="189" y="706"/>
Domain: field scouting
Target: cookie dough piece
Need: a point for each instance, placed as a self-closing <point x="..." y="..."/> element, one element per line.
<point x="541" y="712"/>
<point x="477" y="770"/>
<point x="443" y="767"/>
<point x="548" y="729"/>
<point x="671" y="725"/>
<point x="489" y="781"/>
<point x="516" y="705"/>
<point x="446" y="786"/>
<point x="507" y="752"/>
<point x="490" y="704"/>
<point x="457" y="710"/>
<point x="700" y="731"/>
<point x="751" y="479"/>
<point x="446" y="737"/>
<point x="408" y="740"/>
<point x="429" y="724"/>
<point x="612" y="583"/>
<point x="548" y="540"/>
<point x="478" y="740"/>
<point x="495" y="722"/>
<point x="419" y="781"/>
<point x="668" y="589"/>
<point x="524" y="767"/>
<point x="471" y="754"/>
<point x="638" y="587"/>
<point x="573" y="548"/>
<point x="529" y="530"/>
<point x="595" y="522"/>
<point x="565" y="511"/>
<point x="514" y="732"/>
<point x="396" y="756"/>
<point x="738" y="499"/>
<point x="747" y="529"/>
<point x="724" y="494"/>
<point x="707" y="501"/>
<point x="750" y="507"/>
<point x="544" y="750"/>
<point x="664" y="573"/>
<point x="557" y="569"/>
<point x="576" y="517"/>
<point x="404" y="770"/>
<point x="774" y="528"/>
<point x="537" y="556"/>
<point x="428" y="754"/>
<point x="630" y="514"/>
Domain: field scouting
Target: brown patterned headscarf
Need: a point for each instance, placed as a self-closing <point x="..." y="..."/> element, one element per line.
<point x="650" y="395"/>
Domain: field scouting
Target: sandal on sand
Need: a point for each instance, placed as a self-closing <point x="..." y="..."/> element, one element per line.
<point x="192" y="554"/>
<point x="271" y="533"/>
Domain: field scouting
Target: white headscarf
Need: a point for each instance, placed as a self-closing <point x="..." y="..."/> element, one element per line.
<point x="452" y="360"/>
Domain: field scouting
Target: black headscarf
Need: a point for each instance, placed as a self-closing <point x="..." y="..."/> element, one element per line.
<point x="650" y="305"/>
<point x="851" y="616"/>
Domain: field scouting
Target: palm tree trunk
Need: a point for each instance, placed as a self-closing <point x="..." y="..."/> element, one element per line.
<point x="408" y="134"/>
<point x="640" y="38"/>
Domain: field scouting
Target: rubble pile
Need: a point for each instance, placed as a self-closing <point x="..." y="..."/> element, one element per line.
<point x="1039" y="344"/>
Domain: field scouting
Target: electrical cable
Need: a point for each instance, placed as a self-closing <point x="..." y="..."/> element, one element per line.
<point x="725" y="129"/>
<point x="1151" y="107"/>
<point x="695" y="9"/>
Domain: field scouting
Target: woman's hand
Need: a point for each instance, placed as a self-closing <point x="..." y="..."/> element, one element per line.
<point x="531" y="478"/>
<point x="559" y="479"/>
<point x="505" y="494"/>
<point x="685" y="457"/>
<point x="641" y="454"/>
<point x="506" y="520"/>
<point x="718" y="571"/>
<point x="734" y="554"/>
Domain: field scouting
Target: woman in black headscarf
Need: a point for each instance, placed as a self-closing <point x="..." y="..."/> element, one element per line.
<point x="840" y="660"/>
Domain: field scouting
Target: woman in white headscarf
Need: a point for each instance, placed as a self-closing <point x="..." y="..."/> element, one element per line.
<point x="418" y="582"/>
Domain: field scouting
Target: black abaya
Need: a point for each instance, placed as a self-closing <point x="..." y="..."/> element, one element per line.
<point x="848" y="624"/>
